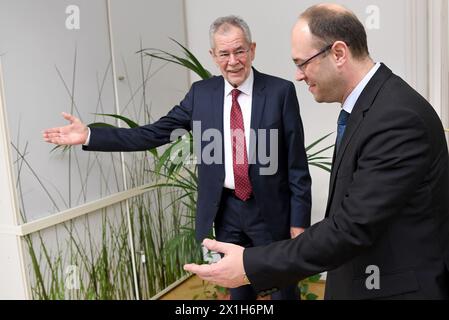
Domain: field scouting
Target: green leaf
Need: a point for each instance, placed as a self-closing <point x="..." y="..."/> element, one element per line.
<point x="193" y="175"/>
<point x="129" y="122"/>
<point x="221" y="289"/>
<point x="183" y="186"/>
<point x="101" y="125"/>
<point x="314" y="278"/>
<point x="64" y="148"/>
<point x="318" y="158"/>
<point x="164" y="159"/>
<point x="320" y="151"/>
<point x="304" y="288"/>
<point x="174" y="58"/>
<point x="154" y="153"/>
<point x="190" y="63"/>
<point x="158" y="56"/>
<point x="318" y="141"/>
<point x="321" y="166"/>
<point x="311" y="296"/>
<point x="203" y="73"/>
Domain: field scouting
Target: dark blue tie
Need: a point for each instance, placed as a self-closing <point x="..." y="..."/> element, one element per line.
<point x="342" y="120"/>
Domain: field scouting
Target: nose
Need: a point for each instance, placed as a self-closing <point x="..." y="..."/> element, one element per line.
<point x="300" y="76"/>
<point x="232" y="60"/>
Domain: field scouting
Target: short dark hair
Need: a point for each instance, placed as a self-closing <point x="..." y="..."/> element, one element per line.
<point x="330" y="25"/>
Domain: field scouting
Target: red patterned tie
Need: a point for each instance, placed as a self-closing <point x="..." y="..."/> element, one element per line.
<point x="243" y="188"/>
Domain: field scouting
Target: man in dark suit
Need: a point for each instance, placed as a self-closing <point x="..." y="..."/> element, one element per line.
<point x="252" y="201"/>
<point x="386" y="229"/>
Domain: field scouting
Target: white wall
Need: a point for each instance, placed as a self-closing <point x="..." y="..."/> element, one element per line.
<point x="271" y="23"/>
<point x="149" y="24"/>
<point x="45" y="63"/>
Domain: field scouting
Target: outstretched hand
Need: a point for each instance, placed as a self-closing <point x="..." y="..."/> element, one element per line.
<point x="74" y="133"/>
<point x="229" y="272"/>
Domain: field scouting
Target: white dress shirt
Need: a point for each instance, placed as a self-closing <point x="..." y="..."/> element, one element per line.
<point x="351" y="100"/>
<point x="245" y="100"/>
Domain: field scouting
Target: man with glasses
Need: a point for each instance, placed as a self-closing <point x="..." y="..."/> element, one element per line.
<point x="249" y="206"/>
<point x="386" y="229"/>
<point x="302" y="66"/>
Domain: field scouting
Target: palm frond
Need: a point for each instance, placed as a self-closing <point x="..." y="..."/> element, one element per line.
<point x="189" y="60"/>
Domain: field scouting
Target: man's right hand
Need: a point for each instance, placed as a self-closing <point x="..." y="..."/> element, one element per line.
<point x="74" y="133"/>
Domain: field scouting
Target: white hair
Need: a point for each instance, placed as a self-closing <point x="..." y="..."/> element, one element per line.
<point x="224" y="22"/>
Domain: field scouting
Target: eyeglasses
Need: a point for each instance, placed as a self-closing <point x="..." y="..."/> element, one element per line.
<point x="302" y="66"/>
<point x="225" y="56"/>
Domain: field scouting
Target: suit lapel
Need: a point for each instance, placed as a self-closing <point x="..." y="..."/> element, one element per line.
<point x="217" y="100"/>
<point x="362" y="105"/>
<point x="257" y="108"/>
<point x="217" y="104"/>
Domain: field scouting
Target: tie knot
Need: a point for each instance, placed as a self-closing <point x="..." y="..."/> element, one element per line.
<point x="343" y="117"/>
<point x="235" y="93"/>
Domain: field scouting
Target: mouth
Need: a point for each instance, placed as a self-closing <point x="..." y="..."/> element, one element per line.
<point x="234" y="71"/>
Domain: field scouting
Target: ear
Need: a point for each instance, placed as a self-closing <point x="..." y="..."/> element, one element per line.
<point x="340" y="52"/>
<point x="211" y="52"/>
<point x="253" y="51"/>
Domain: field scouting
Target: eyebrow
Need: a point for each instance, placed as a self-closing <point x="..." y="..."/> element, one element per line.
<point x="236" y="49"/>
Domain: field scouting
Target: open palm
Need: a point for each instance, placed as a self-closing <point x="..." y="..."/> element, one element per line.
<point x="74" y="133"/>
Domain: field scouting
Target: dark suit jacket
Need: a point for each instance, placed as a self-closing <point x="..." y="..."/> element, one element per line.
<point x="388" y="206"/>
<point x="284" y="198"/>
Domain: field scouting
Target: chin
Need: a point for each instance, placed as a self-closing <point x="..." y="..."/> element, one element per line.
<point x="236" y="79"/>
<point x="318" y="99"/>
<point x="321" y="99"/>
<point x="235" y="83"/>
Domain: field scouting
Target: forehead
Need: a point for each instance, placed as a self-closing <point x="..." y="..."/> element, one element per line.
<point x="302" y="41"/>
<point x="229" y="37"/>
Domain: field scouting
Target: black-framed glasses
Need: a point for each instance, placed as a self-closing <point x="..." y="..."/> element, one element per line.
<point x="303" y="65"/>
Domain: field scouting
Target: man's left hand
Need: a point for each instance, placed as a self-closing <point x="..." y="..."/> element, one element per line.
<point x="229" y="272"/>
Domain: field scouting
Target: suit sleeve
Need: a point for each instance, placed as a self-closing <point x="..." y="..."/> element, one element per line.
<point x="144" y="137"/>
<point x="298" y="171"/>
<point x="394" y="158"/>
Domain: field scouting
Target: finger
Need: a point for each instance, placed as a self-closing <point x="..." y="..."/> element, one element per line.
<point x="58" y="141"/>
<point x="46" y="137"/>
<point x="202" y="270"/>
<point x="55" y="138"/>
<point x="52" y="130"/>
<point x="69" y="117"/>
<point x="192" y="267"/>
<point x="53" y="135"/>
<point x="214" y="245"/>
<point x="208" y="273"/>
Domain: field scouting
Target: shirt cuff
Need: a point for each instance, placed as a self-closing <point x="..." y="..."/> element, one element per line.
<point x="88" y="137"/>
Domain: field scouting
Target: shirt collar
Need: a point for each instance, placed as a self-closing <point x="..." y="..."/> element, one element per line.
<point x="246" y="87"/>
<point x="351" y="100"/>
